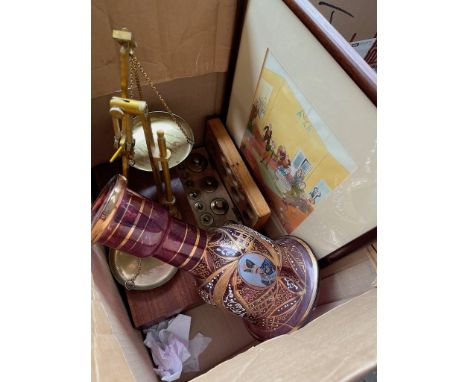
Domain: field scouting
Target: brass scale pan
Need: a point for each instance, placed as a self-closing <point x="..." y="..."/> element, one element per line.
<point x="176" y="140"/>
<point x="153" y="272"/>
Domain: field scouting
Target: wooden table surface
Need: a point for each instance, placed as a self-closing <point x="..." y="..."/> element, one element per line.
<point x="181" y="292"/>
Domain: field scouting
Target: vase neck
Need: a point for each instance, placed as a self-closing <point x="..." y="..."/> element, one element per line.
<point x="183" y="246"/>
<point x="143" y="228"/>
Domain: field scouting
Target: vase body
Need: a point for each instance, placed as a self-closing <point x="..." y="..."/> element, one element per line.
<point x="272" y="284"/>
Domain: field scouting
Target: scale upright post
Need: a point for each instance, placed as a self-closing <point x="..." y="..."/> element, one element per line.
<point x="121" y="109"/>
<point x="123" y="140"/>
<point x="163" y="159"/>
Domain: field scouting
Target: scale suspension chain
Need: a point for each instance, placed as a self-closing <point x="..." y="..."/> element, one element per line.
<point x="134" y="77"/>
<point x="134" y="65"/>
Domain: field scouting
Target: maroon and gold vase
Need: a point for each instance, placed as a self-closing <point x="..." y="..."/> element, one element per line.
<point x="271" y="284"/>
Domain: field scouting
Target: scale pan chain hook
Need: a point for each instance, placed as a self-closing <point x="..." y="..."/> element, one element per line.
<point x="136" y="64"/>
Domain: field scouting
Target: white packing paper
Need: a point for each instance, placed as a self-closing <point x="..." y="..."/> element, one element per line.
<point x="171" y="349"/>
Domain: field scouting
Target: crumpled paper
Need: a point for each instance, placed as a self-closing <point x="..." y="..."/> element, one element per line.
<point x="171" y="349"/>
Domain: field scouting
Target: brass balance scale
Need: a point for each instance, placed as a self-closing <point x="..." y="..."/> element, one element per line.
<point x="135" y="129"/>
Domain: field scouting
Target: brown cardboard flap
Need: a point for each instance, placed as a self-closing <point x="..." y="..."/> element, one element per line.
<point x="175" y="38"/>
<point x="346" y="278"/>
<point x="228" y="333"/>
<point x="340" y="345"/>
<point x="118" y="352"/>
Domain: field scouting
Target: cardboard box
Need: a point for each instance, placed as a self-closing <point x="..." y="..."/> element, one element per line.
<point x="188" y="53"/>
<point x="339" y="344"/>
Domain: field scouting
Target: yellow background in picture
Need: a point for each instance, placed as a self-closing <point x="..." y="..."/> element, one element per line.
<point x="292" y="128"/>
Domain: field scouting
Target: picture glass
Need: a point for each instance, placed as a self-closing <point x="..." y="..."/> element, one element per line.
<point x="294" y="156"/>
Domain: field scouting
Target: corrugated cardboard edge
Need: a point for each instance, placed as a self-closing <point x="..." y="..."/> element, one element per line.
<point x="175" y="39"/>
<point x="340" y="345"/>
<point x="118" y="352"/>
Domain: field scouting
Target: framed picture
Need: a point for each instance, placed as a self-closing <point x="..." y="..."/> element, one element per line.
<point x="303" y="113"/>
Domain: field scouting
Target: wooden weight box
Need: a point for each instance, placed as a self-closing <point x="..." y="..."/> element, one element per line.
<point x="205" y="192"/>
<point x="231" y="168"/>
<point x="218" y="185"/>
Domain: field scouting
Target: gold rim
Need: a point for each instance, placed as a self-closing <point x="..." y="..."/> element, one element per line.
<point x="141" y="161"/>
<point x="315" y="267"/>
<point x="115" y="263"/>
<point x="105" y="205"/>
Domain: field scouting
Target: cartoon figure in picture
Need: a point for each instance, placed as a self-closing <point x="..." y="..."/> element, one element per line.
<point x="296" y="196"/>
<point x="253" y="115"/>
<point x="298" y="185"/>
<point x="266" y="271"/>
<point x="315" y="194"/>
<point x="283" y="161"/>
<point x="258" y="109"/>
<point x="269" y="145"/>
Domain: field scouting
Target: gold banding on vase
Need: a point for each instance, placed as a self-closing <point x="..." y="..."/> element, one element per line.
<point x="103" y="211"/>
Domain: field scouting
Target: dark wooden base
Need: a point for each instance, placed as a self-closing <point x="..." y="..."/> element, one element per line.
<point x="149" y="307"/>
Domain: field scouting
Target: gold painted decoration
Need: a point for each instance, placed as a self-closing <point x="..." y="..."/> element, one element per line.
<point x="272" y="284"/>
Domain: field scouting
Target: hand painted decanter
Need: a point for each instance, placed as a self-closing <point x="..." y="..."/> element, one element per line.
<point x="271" y="284"/>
